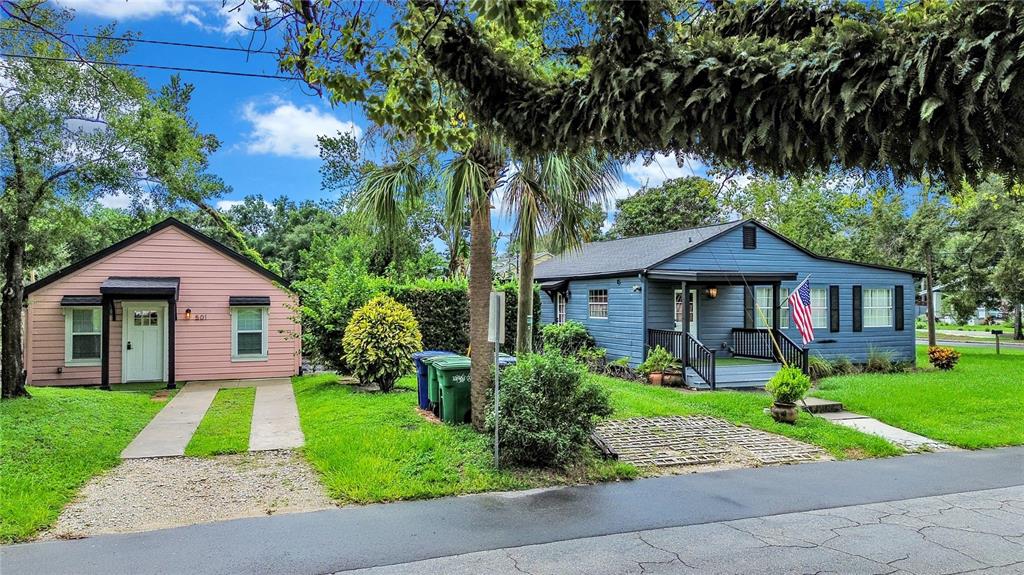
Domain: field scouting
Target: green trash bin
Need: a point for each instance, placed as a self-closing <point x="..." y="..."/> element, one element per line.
<point x="453" y="382"/>
<point x="433" y="384"/>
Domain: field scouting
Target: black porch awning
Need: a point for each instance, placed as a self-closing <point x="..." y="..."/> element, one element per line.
<point x="141" y="286"/>
<point x="554" y="285"/>
<point x="722" y="277"/>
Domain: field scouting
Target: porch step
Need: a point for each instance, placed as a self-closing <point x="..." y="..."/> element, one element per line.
<point x="818" y="405"/>
<point x="752" y="376"/>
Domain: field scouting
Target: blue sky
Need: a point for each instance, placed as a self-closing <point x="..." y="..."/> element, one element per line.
<point x="267" y="127"/>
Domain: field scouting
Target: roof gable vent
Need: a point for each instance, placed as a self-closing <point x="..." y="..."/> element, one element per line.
<point x="749" y="237"/>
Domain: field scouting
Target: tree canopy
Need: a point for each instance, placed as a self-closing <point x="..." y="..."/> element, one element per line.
<point x="784" y="87"/>
<point x="674" y="205"/>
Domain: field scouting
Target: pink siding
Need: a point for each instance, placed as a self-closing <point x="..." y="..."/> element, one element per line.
<point x="202" y="348"/>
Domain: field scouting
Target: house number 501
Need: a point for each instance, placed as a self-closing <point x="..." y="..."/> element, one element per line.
<point x="198" y="317"/>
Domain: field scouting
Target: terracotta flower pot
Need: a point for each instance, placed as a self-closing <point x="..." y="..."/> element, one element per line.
<point x="784" y="412"/>
<point x="655" y="377"/>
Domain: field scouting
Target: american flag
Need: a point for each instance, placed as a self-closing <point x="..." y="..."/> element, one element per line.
<point x="800" y="310"/>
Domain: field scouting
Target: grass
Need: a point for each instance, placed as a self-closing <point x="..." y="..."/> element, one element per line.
<point x="371" y="447"/>
<point x="225" y="427"/>
<point x="980" y="403"/>
<point x="51" y="444"/>
<point x="631" y="399"/>
<point x="1006" y="327"/>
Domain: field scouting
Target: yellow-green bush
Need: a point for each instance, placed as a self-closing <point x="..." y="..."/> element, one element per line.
<point x="380" y="340"/>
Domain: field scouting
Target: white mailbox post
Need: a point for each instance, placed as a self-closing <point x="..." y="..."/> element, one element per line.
<point x="496" y="335"/>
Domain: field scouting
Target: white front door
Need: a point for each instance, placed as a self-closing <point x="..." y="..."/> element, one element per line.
<point x="678" y="311"/>
<point x="143" y="341"/>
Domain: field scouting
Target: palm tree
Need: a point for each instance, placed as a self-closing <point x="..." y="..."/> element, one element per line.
<point x="550" y="196"/>
<point x="469" y="179"/>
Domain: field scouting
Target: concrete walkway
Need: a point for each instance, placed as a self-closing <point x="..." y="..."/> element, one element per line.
<point x="408" y="532"/>
<point x="903" y="438"/>
<point x="275" y="418"/>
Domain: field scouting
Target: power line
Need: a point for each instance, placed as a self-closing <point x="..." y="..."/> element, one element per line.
<point x="152" y="67"/>
<point x="160" y="42"/>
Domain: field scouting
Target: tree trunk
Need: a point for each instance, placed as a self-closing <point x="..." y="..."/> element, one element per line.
<point x="12" y="369"/>
<point x="1018" y="330"/>
<point x="480" y="283"/>
<point x="931" y="299"/>
<point x="524" y="309"/>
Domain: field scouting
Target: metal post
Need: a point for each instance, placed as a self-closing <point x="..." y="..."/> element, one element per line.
<point x="497" y="462"/>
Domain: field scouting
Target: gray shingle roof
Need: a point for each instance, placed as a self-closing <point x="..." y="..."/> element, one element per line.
<point x="628" y="254"/>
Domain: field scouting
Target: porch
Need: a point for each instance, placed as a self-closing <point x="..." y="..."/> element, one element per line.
<point x="722" y="326"/>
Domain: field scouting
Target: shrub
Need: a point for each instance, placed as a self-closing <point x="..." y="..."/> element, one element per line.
<point x="620" y="368"/>
<point x="594" y="358"/>
<point x="843" y="366"/>
<point x="567" y="338"/>
<point x="658" y="360"/>
<point x="879" y="361"/>
<point x="818" y="367"/>
<point x="943" y="358"/>
<point x="788" y="385"/>
<point x="380" y="340"/>
<point x="548" y="411"/>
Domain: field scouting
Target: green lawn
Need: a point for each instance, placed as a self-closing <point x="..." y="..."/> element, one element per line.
<point x="632" y="399"/>
<point x="225" y="427"/>
<point x="1007" y="327"/>
<point x="371" y="447"/>
<point x="980" y="403"/>
<point x="53" y="443"/>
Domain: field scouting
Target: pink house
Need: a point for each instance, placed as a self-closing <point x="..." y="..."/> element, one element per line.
<point x="167" y="304"/>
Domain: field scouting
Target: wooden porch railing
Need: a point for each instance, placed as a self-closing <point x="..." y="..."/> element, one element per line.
<point x="688" y="350"/>
<point x="701" y="359"/>
<point x="757" y="343"/>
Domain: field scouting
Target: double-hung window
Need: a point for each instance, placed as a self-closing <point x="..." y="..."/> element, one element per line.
<point x="597" y="303"/>
<point x="82" y="336"/>
<point x="249" y="333"/>
<point x="819" y="308"/>
<point x="878" y="307"/>
<point x="763" y="315"/>
<point x="560" y="307"/>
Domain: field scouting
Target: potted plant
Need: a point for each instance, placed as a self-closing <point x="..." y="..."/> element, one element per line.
<point x="787" y="387"/>
<point x="658" y="360"/>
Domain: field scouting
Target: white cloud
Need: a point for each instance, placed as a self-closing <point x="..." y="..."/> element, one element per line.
<point x="129" y="9"/>
<point x="285" y="129"/>
<point x="118" y="200"/>
<point x="662" y="167"/>
<point x="225" y="205"/>
<point x="237" y="19"/>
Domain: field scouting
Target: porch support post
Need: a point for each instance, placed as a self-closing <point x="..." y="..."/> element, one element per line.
<point x="106" y="307"/>
<point x="172" y="315"/>
<point x="643" y="321"/>
<point x="776" y="310"/>
<point x="686" y="325"/>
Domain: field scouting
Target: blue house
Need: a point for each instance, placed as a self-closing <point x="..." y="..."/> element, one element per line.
<point x="720" y="291"/>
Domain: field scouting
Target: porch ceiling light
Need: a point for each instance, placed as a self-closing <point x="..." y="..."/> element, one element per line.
<point x="711" y="292"/>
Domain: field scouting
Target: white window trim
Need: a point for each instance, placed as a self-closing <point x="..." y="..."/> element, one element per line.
<point x="235" y="357"/>
<point x="69" y="323"/>
<point x="889" y="302"/>
<point x="561" y="307"/>
<point x="590" y="304"/>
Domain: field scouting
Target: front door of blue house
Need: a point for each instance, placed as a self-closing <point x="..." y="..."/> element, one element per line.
<point x="678" y="311"/>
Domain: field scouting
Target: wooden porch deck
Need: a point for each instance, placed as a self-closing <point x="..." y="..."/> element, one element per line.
<point x="750" y="375"/>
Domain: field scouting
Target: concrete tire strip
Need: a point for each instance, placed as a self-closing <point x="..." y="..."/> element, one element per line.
<point x="700" y="440"/>
<point x="275" y="419"/>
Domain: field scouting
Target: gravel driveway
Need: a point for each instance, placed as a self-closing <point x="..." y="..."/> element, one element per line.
<point x="156" y="493"/>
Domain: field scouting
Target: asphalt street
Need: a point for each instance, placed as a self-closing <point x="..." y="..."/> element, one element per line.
<point x="408" y="532"/>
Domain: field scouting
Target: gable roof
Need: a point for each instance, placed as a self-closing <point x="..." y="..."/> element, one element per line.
<point x="168" y="223"/>
<point x="628" y="255"/>
<point x="638" y="254"/>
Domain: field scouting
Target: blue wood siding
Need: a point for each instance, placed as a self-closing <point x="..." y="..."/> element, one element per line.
<point x="621" y="333"/>
<point x="717" y="317"/>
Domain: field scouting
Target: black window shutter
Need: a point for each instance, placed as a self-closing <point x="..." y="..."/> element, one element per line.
<point x="749" y="237"/>
<point x="748" y="307"/>
<point x="897" y="308"/>
<point x="858" y="318"/>
<point x="833" y="308"/>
